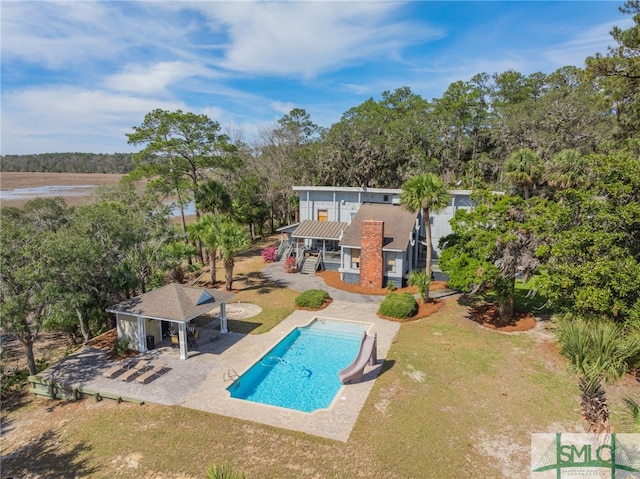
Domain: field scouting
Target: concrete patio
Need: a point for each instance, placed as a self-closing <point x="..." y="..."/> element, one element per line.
<point x="200" y="382"/>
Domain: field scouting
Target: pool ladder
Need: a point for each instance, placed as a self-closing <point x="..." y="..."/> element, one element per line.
<point x="230" y="375"/>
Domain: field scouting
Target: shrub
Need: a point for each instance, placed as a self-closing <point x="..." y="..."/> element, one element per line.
<point x="398" y="305"/>
<point x="391" y="285"/>
<point x="269" y="254"/>
<point x="420" y="279"/>
<point x="14" y="380"/>
<point x="312" y="299"/>
<point x="598" y="344"/>
<point x="290" y="265"/>
<point x="121" y="346"/>
<point x="223" y="472"/>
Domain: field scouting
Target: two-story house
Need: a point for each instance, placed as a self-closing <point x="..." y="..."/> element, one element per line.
<point x="364" y="233"/>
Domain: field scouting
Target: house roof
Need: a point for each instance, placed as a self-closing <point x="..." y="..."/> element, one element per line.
<point x="173" y="302"/>
<point x="359" y="189"/>
<point x="398" y="224"/>
<point x="288" y="228"/>
<point x="351" y="189"/>
<point x="330" y="230"/>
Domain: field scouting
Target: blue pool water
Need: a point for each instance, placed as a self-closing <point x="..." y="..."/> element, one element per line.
<point x="301" y="371"/>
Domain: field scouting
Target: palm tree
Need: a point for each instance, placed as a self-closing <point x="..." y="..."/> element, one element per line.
<point x="205" y="230"/>
<point x="567" y="169"/>
<point x="213" y="197"/>
<point x="523" y="169"/>
<point x="427" y="193"/>
<point x="233" y="238"/>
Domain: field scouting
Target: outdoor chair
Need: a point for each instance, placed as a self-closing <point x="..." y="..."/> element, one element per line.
<point x="117" y="369"/>
<point x="175" y="343"/>
<point x="192" y="339"/>
<point x="153" y="370"/>
<point x="137" y="368"/>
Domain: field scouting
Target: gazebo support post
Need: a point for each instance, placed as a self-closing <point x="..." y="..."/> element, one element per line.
<point x="223" y="319"/>
<point x="142" y="343"/>
<point x="182" y="336"/>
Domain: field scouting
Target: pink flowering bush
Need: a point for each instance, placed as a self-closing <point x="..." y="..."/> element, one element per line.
<point x="290" y="265"/>
<point x="269" y="255"/>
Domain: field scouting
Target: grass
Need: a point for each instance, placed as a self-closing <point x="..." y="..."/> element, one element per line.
<point x="454" y="400"/>
<point x="276" y="300"/>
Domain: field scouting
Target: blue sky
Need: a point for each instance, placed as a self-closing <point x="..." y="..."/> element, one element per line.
<point x="78" y="75"/>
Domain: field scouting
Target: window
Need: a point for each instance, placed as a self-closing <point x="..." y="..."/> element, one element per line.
<point x="355" y="259"/>
<point x="390" y="262"/>
<point x="323" y="215"/>
<point x="385" y="198"/>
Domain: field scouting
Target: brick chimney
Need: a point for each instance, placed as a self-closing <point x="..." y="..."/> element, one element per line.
<point x="371" y="263"/>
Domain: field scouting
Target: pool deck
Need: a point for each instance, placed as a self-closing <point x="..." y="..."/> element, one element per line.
<point x="200" y="382"/>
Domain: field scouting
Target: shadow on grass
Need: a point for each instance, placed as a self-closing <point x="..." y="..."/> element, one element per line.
<point x="44" y="458"/>
<point x="255" y="281"/>
<point x="382" y="367"/>
<point x="242" y="326"/>
<point x="470" y="300"/>
<point x="15" y="400"/>
<point x="525" y="299"/>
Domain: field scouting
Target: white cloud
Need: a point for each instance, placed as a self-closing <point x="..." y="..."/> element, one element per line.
<point x="308" y="38"/>
<point x="155" y="78"/>
<point x="42" y="118"/>
<point x="592" y="41"/>
<point x="60" y="35"/>
<point x="282" y="107"/>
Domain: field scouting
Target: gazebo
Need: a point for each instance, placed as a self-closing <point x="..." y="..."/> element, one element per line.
<point x="140" y="319"/>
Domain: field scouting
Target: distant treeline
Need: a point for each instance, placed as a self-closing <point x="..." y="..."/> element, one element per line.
<point x="69" y="163"/>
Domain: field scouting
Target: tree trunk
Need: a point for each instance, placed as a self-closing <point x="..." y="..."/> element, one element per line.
<point x="183" y="222"/>
<point x="212" y="266"/>
<point x="27" y="337"/>
<point x="427" y="223"/>
<point x="228" y="273"/>
<point x="506" y="307"/>
<point x="83" y="328"/>
<point x="31" y="360"/>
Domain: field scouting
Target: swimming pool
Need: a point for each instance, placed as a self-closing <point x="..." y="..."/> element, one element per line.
<point x="301" y="371"/>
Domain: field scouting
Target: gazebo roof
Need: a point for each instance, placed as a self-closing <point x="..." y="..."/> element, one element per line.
<point x="173" y="302"/>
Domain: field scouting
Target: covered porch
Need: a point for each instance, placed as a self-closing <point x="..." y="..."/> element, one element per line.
<point x="143" y="320"/>
<point x="318" y="241"/>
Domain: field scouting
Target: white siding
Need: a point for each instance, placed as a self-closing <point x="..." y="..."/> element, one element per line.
<point x="342" y="205"/>
<point x="128" y="329"/>
<point x="154" y="328"/>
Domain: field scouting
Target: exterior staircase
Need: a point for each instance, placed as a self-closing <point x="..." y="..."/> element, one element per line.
<point x="310" y="265"/>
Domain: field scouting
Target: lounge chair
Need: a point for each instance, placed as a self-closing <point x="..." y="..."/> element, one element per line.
<point x="152" y="370"/>
<point x="137" y="368"/>
<point x="117" y="369"/>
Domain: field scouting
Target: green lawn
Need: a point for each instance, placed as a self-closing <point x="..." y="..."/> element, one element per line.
<point x="454" y="400"/>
